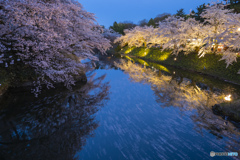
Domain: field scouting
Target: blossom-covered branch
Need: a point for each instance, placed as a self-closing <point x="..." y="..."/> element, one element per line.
<point x="50" y="36"/>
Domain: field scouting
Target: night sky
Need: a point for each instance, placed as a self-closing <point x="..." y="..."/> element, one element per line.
<point x="108" y="11"/>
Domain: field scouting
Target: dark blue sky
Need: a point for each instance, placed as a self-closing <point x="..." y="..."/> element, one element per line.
<point x="108" y="11"/>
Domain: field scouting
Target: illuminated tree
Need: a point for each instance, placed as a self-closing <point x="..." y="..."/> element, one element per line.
<point x="50" y="36"/>
<point x="182" y="35"/>
<point x="221" y="29"/>
<point x="133" y="37"/>
<point x="220" y="34"/>
<point x="171" y="29"/>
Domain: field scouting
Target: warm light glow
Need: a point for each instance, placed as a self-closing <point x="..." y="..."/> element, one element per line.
<point x="175" y="59"/>
<point x="220" y="46"/>
<point x="228" y="98"/>
<point x="238" y="29"/>
<point x="174" y="72"/>
<point x="128" y="50"/>
<point x="141" y="62"/>
<point x="129" y="58"/>
<point x="164" y="56"/>
<point x="143" y="53"/>
<point x="161" y="68"/>
<point x="197" y="88"/>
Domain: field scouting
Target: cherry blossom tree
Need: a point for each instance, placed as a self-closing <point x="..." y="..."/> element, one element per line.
<point x="133" y="37"/>
<point x="217" y="19"/>
<point x="182" y="35"/>
<point x="50" y="36"/>
<point x="222" y="29"/>
<point x="171" y="28"/>
<point x="219" y="33"/>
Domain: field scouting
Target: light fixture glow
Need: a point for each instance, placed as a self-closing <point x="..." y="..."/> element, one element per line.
<point x="228" y="98"/>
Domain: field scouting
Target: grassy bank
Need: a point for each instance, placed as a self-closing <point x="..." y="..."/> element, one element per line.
<point x="209" y="64"/>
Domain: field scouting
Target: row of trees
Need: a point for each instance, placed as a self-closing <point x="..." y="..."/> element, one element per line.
<point x="220" y="27"/>
<point x="50" y="36"/>
<point x="120" y="27"/>
<point x="154" y="21"/>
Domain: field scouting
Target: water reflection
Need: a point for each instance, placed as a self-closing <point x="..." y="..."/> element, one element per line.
<point x="187" y="94"/>
<point x="53" y="126"/>
<point x="170" y="90"/>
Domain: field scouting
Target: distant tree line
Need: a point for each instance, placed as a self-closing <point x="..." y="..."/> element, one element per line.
<point x="121" y="26"/>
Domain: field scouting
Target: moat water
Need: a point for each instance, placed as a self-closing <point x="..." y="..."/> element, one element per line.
<point x="126" y="110"/>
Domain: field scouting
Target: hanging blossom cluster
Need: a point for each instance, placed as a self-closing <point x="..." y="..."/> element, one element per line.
<point x="51" y="36"/>
<point x="220" y="33"/>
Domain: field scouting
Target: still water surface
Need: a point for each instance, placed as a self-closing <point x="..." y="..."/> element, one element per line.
<point x="125" y="111"/>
